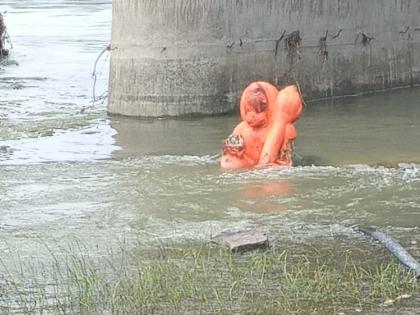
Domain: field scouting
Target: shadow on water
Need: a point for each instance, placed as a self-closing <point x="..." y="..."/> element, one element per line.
<point x="195" y="136"/>
<point x="379" y="129"/>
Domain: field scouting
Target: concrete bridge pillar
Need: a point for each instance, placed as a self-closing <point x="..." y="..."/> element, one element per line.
<point x="180" y="57"/>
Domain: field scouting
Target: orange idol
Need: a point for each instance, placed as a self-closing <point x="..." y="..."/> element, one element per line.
<point x="266" y="132"/>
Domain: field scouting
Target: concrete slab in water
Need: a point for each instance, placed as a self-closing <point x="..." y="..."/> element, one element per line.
<point x="242" y="240"/>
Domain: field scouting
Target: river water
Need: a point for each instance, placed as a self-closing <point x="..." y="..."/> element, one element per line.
<point x="69" y="171"/>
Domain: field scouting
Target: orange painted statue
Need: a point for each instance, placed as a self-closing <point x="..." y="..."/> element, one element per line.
<point x="266" y="132"/>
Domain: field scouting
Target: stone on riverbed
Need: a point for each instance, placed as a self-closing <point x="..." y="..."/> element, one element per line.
<point x="242" y="240"/>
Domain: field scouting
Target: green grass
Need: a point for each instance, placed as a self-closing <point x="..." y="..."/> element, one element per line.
<point x="204" y="280"/>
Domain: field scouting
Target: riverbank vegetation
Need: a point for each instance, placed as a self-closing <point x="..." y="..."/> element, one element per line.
<point x="205" y="280"/>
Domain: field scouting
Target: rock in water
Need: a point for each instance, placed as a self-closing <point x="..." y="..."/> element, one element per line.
<point x="242" y="240"/>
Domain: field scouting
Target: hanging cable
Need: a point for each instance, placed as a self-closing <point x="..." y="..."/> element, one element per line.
<point x="94" y="75"/>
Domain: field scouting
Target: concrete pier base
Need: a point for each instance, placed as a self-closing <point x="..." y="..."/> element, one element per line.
<point x="180" y="57"/>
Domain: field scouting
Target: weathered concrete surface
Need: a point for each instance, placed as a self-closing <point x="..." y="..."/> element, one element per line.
<point x="177" y="57"/>
<point x="242" y="240"/>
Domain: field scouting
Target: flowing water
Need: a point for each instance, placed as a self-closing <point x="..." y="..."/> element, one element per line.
<point x="68" y="171"/>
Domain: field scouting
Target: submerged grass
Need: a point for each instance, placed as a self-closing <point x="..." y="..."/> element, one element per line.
<point x="204" y="280"/>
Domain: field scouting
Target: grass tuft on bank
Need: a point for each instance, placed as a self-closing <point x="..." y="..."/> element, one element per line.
<point x="204" y="280"/>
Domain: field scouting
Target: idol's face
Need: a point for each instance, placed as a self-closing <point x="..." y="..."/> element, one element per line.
<point x="256" y="107"/>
